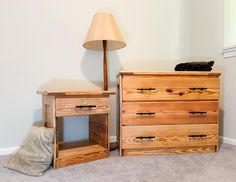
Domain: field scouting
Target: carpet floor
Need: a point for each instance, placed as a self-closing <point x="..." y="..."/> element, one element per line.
<point x="208" y="167"/>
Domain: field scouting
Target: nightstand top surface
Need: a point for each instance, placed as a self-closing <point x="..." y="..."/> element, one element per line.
<point x="74" y="92"/>
<point x="72" y="87"/>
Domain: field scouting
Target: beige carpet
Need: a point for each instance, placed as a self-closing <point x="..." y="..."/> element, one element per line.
<point x="212" y="167"/>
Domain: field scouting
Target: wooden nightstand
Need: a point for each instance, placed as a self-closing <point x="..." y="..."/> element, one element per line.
<point x="62" y="103"/>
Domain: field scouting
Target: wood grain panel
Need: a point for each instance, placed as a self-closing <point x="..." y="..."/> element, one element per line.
<point x="49" y="112"/>
<point x="81" y="106"/>
<point x="170" y="73"/>
<point x="172" y="150"/>
<point x="168" y="112"/>
<point x="67" y="149"/>
<point x="49" y="120"/>
<point x="169" y="130"/>
<point x="68" y="155"/>
<point x="174" y="94"/>
<point x="170" y="82"/>
<point x="65" y="102"/>
<point x="144" y="113"/>
<point x="170" y="141"/>
<point x="98" y="129"/>
<point x="169" y="106"/>
<point x="170" y="118"/>
<point x="119" y="124"/>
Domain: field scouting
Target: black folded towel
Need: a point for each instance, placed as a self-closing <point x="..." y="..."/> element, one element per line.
<point x="195" y="66"/>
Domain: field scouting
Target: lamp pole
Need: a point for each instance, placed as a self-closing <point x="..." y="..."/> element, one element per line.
<point x="105" y="78"/>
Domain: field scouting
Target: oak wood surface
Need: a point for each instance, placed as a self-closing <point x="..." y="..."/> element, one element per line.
<point x="105" y="77"/>
<point x="81" y="106"/>
<point x="170" y="118"/>
<point x="170" y="88"/>
<point x="170" y="73"/>
<point x="77" y="148"/>
<point x="169" y="106"/>
<point x="180" y="112"/>
<point x="170" y="82"/>
<point x="169" y="141"/>
<point x="120" y="120"/>
<point x="59" y="104"/>
<point x="170" y="150"/>
<point x="164" y="95"/>
<point x="49" y="120"/>
<point x="61" y="92"/>
<point x="99" y="129"/>
<point x="168" y="112"/>
<point x="84" y="152"/>
<point x="169" y="130"/>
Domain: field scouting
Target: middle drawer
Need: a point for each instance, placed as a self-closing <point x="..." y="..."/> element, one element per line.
<point x="179" y="112"/>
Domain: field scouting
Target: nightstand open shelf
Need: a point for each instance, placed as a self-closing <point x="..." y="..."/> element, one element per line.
<point x="77" y="152"/>
<point x="77" y="147"/>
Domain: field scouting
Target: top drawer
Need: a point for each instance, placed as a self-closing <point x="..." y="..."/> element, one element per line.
<point x="137" y="88"/>
<point x="81" y="106"/>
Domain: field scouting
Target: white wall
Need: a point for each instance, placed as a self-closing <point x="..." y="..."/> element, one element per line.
<point x="207" y="31"/>
<point x="42" y="40"/>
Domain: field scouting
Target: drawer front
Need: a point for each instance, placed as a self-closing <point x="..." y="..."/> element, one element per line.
<point x="170" y="88"/>
<point x="151" y="113"/>
<point x="169" y="150"/>
<point x="134" y="137"/>
<point x="81" y="106"/>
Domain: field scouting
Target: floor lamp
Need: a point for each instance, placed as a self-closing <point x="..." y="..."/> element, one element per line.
<point x="104" y="35"/>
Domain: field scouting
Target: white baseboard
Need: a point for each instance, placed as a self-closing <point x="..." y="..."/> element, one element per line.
<point x="8" y="151"/>
<point x="113" y="139"/>
<point x="228" y="140"/>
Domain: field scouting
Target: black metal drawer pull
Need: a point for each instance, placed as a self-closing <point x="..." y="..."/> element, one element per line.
<point x="197" y="113"/>
<point x="197" y="88"/>
<point x="145" y="137"/>
<point x="85" y="106"/>
<point x="146" y="89"/>
<point x="197" y="137"/>
<point x="145" y="113"/>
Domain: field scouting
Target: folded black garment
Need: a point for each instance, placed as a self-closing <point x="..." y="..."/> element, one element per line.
<point x="195" y="66"/>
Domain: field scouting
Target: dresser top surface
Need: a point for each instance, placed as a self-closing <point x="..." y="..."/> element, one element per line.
<point x="171" y="73"/>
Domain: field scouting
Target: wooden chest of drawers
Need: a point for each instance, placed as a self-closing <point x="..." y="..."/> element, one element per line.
<point x="168" y="112"/>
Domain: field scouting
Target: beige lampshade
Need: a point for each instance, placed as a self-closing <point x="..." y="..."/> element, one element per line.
<point x="104" y="27"/>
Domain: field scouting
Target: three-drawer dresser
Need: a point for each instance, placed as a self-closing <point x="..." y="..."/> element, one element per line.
<point x="168" y="112"/>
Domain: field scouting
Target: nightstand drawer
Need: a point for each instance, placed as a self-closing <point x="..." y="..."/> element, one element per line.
<point x="151" y="113"/>
<point x="170" y="88"/>
<point x="81" y="106"/>
<point x="134" y="137"/>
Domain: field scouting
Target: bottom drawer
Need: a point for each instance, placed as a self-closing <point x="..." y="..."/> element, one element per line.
<point x="172" y="150"/>
<point x="138" y="137"/>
